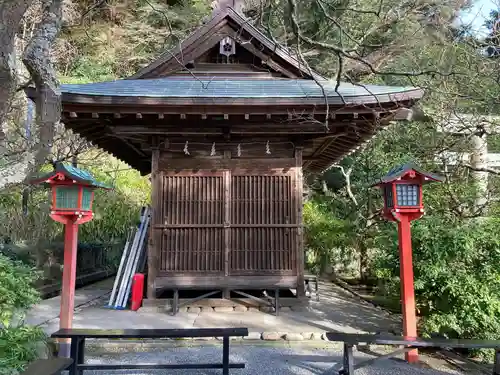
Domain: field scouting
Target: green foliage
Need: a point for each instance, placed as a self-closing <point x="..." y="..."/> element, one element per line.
<point x="457" y="279"/>
<point x="18" y="342"/>
<point x="115" y="210"/>
<point x="16" y="289"/>
<point x="18" y="347"/>
<point x="326" y="236"/>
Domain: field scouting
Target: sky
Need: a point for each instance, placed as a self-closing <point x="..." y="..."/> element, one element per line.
<point x="478" y="13"/>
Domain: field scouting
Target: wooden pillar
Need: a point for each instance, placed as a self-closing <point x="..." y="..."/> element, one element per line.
<point x="68" y="284"/>
<point x="407" y="287"/>
<point x="155" y="234"/>
<point x="227" y="218"/>
<point x="299" y="187"/>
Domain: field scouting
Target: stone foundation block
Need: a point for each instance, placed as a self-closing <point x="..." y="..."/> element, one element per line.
<point x="317" y="336"/>
<point x="266" y="309"/>
<point x="194" y="309"/>
<point x="253" y="336"/>
<point x="253" y="309"/>
<point x="240" y="308"/>
<point x="271" y="336"/>
<point x="307" y="335"/>
<point x="223" y="309"/>
<point x="232" y="338"/>
<point x="294" y="337"/>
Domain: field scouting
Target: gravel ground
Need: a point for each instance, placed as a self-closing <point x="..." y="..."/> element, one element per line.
<point x="262" y="360"/>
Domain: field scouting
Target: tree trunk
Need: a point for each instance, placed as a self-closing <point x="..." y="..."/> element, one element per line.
<point x="363" y="261"/>
<point x="11" y="14"/>
<point x="479" y="161"/>
<point x="38" y="61"/>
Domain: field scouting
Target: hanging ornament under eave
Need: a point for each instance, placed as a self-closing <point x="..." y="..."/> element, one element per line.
<point x="227" y="47"/>
<point x="268" y="148"/>
<point x="212" y="152"/>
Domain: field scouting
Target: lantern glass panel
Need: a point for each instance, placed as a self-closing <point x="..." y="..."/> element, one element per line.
<point x="389" y="201"/>
<point x="408" y="194"/>
<point x="66" y="197"/>
<point x="86" y="198"/>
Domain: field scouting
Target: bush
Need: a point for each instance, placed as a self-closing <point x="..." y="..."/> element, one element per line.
<point x="325" y="236"/>
<point x="457" y="277"/>
<point x="18" y="342"/>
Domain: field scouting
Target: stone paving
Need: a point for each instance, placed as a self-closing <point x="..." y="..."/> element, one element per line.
<point x="337" y="310"/>
<point x="278" y="359"/>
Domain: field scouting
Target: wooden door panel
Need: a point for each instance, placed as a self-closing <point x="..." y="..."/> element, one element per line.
<point x="192" y="250"/>
<point x="261" y="250"/>
<point x="262" y="224"/>
<point x="193" y="213"/>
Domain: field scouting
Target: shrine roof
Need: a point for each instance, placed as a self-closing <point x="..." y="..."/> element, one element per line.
<point x="224" y="88"/>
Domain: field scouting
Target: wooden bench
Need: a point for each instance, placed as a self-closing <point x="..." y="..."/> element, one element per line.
<point x="78" y="337"/>
<point x="351" y="340"/>
<point x="52" y="366"/>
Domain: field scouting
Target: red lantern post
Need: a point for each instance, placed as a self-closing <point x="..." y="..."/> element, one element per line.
<point x="72" y="195"/>
<point x="402" y="188"/>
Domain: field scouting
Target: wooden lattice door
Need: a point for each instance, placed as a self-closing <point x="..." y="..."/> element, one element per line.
<point x="228" y="224"/>
<point x="263" y="225"/>
<point x="193" y="230"/>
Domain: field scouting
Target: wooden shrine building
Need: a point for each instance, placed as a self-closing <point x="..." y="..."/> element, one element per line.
<point x="227" y="124"/>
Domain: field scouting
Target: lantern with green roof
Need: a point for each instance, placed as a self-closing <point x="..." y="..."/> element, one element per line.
<point x="72" y="193"/>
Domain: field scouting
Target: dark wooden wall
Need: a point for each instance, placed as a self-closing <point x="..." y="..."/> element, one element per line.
<point x="226" y="217"/>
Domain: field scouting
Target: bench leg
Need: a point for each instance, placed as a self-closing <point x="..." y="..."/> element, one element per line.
<point x="81" y="351"/>
<point x="76" y="351"/>
<point x="496" y="364"/>
<point x="225" y="355"/>
<point x="348" y="360"/>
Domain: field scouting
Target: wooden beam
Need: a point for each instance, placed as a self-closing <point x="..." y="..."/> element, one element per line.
<point x="299" y="241"/>
<point x="129" y="144"/>
<point x="267" y="60"/>
<point x="277" y="108"/>
<point x="154" y="247"/>
<point x="227" y="214"/>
